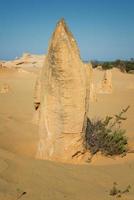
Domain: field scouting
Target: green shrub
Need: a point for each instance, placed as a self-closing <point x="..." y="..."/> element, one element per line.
<point x="123" y="65"/>
<point x="129" y="66"/>
<point x="107" y="65"/>
<point x="106" y="135"/>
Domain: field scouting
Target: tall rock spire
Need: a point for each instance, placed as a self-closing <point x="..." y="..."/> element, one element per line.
<point x="64" y="94"/>
<point x="62" y="33"/>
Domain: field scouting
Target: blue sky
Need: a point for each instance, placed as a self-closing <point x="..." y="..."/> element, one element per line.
<point x="104" y="29"/>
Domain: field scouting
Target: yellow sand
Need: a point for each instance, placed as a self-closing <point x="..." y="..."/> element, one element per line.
<point x="45" y="180"/>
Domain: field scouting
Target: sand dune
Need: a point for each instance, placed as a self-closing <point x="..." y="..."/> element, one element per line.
<point x="49" y="180"/>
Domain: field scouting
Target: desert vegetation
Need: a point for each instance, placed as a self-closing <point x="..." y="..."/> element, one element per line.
<point x="106" y="135"/>
<point x="123" y="65"/>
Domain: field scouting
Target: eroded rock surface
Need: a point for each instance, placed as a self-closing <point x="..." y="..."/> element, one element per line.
<point x="62" y="95"/>
<point x="27" y="60"/>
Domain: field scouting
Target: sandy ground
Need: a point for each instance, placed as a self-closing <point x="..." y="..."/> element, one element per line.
<point x="23" y="177"/>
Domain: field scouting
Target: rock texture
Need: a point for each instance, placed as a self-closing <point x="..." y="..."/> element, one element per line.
<point x="62" y="98"/>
